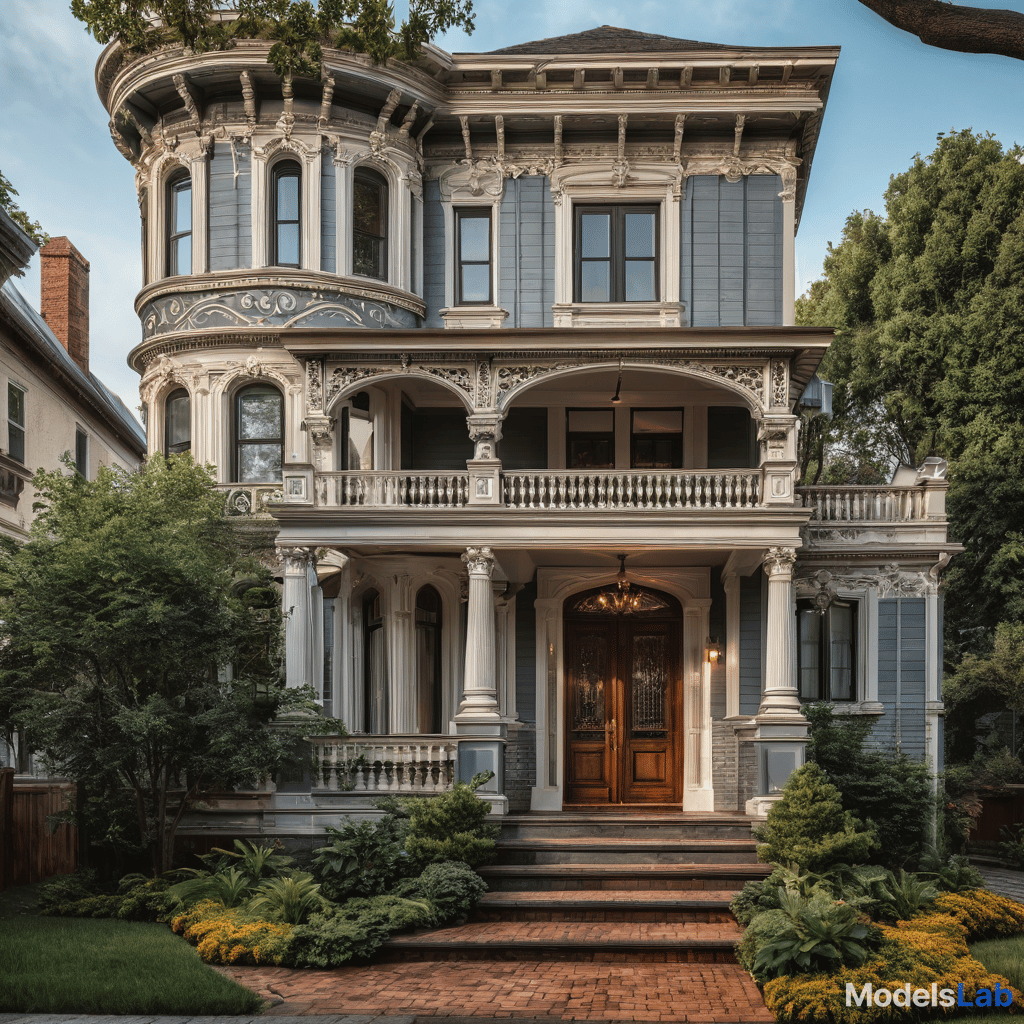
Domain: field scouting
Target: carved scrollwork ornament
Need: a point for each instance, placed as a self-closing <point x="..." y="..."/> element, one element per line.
<point x="479" y="561"/>
<point x="314" y="386"/>
<point x="780" y="562"/>
<point x="344" y="376"/>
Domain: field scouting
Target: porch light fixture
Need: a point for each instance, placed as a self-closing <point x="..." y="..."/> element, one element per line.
<point x="620" y="599"/>
<point x="616" y="399"/>
<point x="712" y="650"/>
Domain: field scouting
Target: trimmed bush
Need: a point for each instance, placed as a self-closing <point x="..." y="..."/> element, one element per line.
<point x="331" y="941"/>
<point x="365" y="858"/>
<point x="394" y="913"/>
<point x="453" y="889"/>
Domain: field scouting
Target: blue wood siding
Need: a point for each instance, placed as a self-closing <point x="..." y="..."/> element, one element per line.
<point x="901" y="675"/>
<point x="526" y="243"/>
<point x="716" y="628"/>
<point x="751" y="643"/>
<point x="526" y="653"/>
<point x="230" y="198"/>
<point x="328" y="216"/>
<point x="433" y="254"/>
<point x="731" y="251"/>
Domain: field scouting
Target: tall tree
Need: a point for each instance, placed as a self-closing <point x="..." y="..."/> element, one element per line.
<point x="928" y="303"/>
<point x="118" y="620"/>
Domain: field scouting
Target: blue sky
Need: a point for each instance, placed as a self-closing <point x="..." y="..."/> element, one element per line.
<point x="890" y="98"/>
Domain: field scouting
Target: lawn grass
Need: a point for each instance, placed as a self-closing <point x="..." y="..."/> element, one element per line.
<point x="1000" y="956"/>
<point x="80" y="965"/>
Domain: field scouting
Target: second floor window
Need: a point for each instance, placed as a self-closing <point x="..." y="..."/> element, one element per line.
<point x="259" y="434"/>
<point x="473" y="257"/>
<point x="590" y="438"/>
<point x="178" y="423"/>
<point x="179" y="226"/>
<point x="15" y="422"/>
<point x="82" y="453"/>
<point x="286" y="214"/>
<point x="826" y="651"/>
<point x="616" y="252"/>
<point x="369" y="225"/>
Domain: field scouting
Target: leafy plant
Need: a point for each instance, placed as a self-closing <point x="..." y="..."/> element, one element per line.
<point x="290" y="899"/>
<point x="819" y="936"/>
<point x="453" y="888"/>
<point x="254" y="862"/>
<point x="953" y="875"/>
<point x="1012" y="847"/>
<point x="396" y="913"/>
<point x="365" y="857"/>
<point x="808" y="827"/>
<point x="893" y="897"/>
<point x="229" y="888"/>
<point x="326" y="941"/>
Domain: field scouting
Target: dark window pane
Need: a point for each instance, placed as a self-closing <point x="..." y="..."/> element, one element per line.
<point x="16" y="404"/>
<point x="591" y="453"/>
<point x="595" y="234"/>
<point x="16" y="442"/>
<point x="475" y="238"/>
<point x="81" y="453"/>
<point x="288" y="197"/>
<point x="808" y="626"/>
<point x="179" y="427"/>
<point x="182" y="255"/>
<point x="287" y="244"/>
<point x="259" y="415"/>
<point x="182" y="207"/>
<point x="476" y="283"/>
<point x="640" y="234"/>
<point x="639" y="281"/>
<point x="366" y="256"/>
<point x="259" y="463"/>
<point x="841" y="652"/>
<point x="595" y="282"/>
<point x="367" y="213"/>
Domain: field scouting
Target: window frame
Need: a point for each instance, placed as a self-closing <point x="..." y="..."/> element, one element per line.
<point x="81" y="452"/>
<point x="474" y="213"/>
<point x="678" y="438"/>
<point x="824" y="692"/>
<point x="284" y="169"/>
<point x="369" y="175"/>
<point x="180" y="447"/>
<point x="588" y="435"/>
<point x="237" y="442"/>
<point x="617" y="258"/>
<point x="13" y="426"/>
<point x="175" y="185"/>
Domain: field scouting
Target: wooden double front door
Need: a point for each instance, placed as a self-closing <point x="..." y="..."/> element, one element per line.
<point x="622" y="708"/>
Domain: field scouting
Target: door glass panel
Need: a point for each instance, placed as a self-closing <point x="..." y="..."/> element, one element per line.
<point x="649" y="684"/>
<point x="589" y="677"/>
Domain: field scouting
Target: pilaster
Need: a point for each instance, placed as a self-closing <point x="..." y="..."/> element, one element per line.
<point x="296" y="606"/>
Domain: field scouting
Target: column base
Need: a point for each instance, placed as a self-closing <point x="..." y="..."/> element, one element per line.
<point x="759" y="806"/>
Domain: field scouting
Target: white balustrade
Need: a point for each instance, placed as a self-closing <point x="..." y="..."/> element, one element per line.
<point x="635" y="489"/>
<point x="864" y="504"/>
<point x="416" y="765"/>
<point x="393" y="488"/>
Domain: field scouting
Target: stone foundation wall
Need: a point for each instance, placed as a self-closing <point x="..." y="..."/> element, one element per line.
<point x="725" y="766"/>
<point x="520" y="767"/>
<point x="747" y="780"/>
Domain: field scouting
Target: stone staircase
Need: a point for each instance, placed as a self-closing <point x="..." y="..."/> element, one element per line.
<point x="604" y="886"/>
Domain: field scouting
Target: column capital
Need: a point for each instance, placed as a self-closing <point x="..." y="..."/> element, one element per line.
<point x="485" y="433"/>
<point x="479" y="562"/>
<point x="296" y="559"/>
<point x="779" y="562"/>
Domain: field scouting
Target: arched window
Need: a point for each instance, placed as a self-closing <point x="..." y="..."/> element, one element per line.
<point x="375" y="692"/>
<point x="428" y="660"/>
<point x="177" y="423"/>
<point x="179" y="225"/>
<point x="369" y="224"/>
<point x="286" y="215"/>
<point x="259" y="434"/>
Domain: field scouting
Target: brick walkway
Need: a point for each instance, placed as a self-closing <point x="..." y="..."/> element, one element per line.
<point x="1005" y="882"/>
<point x="553" y="990"/>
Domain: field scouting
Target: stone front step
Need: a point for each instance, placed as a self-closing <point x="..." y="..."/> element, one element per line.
<point x="571" y="941"/>
<point x="596" y="824"/>
<point x="705" y="906"/>
<point x="618" y="877"/>
<point x="629" y="850"/>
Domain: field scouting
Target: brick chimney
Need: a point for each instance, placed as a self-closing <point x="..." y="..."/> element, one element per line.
<point x="64" y="297"/>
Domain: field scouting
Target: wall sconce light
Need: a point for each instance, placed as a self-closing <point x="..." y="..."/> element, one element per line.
<point x="712" y="650"/>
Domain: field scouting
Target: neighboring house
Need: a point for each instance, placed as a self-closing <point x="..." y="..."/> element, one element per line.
<point x="52" y="403"/>
<point x="467" y="331"/>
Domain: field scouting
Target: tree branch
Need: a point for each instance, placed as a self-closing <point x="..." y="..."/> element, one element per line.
<point x="952" y="27"/>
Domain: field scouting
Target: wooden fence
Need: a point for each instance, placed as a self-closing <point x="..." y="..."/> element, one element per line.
<point x="30" y="850"/>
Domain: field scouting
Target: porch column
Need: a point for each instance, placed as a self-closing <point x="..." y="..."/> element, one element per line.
<point x="780" y="695"/>
<point x="295" y="605"/>
<point x="479" y="717"/>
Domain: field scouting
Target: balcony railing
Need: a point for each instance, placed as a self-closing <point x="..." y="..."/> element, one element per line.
<point x="637" y="489"/>
<point x="388" y="487"/>
<point x="384" y="764"/>
<point x="865" y="504"/>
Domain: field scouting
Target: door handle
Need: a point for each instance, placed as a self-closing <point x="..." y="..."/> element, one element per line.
<point x="611" y="726"/>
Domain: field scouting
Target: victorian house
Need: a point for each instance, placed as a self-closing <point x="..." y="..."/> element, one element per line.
<point x="499" y="350"/>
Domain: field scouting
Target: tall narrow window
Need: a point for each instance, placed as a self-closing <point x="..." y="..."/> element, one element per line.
<point x="826" y="651"/>
<point x="657" y="439"/>
<point x="590" y="439"/>
<point x="473" y="257"/>
<point x="15" y="422"/>
<point x="286" y="214"/>
<point x="369" y="224"/>
<point x="428" y="660"/>
<point x="259" y="434"/>
<point x="179" y="225"/>
<point x="616" y="253"/>
<point x="82" y="453"/>
<point x="178" y="423"/>
<point x="375" y="710"/>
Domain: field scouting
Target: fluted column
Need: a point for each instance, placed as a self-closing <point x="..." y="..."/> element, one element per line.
<point x="297" y="615"/>
<point x="780" y="695"/>
<point x="480" y="695"/>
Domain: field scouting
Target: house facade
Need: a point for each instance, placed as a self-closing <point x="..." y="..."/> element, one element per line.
<point x="500" y="351"/>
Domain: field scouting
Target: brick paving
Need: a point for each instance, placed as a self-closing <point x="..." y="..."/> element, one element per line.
<point x="576" y="933"/>
<point x="1005" y="882"/>
<point x="553" y="990"/>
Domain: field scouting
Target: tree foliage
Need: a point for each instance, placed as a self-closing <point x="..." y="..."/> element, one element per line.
<point x="19" y="216"/>
<point x="928" y="306"/>
<point x="117" y="620"/>
<point x="298" y="28"/>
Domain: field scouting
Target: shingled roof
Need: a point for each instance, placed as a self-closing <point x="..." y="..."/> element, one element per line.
<point x="609" y="39"/>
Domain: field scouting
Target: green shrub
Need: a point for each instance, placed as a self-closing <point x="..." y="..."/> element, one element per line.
<point x="453" y="889"/>
<point x="67" y="889"/>
<point x="254" y="862"/>
<point x="290" y="899"/>
<point x="890" y="897"/>
<point x="331" y="941"/>
<point x="449" y="826"/>
<point x="809" y="828"/>
<point x="953" y="875"/>
<point x="228" y="887"/>
<point x="394" y="913"/>
<point x="763" y="928"/>
<point x="141" y="900"/>
<point x="365" y="857"/>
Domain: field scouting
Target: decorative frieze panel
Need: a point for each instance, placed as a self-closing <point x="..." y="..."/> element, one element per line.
<point x="267" y="307"/>
<point x="888" y="580"/>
